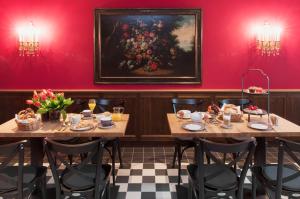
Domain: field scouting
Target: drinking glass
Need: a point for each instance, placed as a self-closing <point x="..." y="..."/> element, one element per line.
<point x="92" y="104"/>
<point x="117" y="113"/>
<point x="226" y="119"/>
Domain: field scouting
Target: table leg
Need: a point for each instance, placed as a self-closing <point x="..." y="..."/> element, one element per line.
<point x="37" y="151"/>
<point x="260" y="160"/>
<point x="260" y="152"/>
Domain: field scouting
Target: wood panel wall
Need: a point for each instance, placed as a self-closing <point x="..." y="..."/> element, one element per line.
<point x="147" y="109"/>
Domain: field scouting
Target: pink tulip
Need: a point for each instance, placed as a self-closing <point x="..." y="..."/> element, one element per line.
<point x="60" y="94"/>
<point x="43" y="97"/>
<point x="29" y="102"/>
<point x="37" y="104"/>
<point x="34" y="92"/>
<point x="35" y="97"/>
<point x="49" y="91"/>
<point x="44" y="91"/>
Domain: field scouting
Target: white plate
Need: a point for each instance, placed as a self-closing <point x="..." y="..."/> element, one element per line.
<point x="193" y="126"/>
<point x="74" y="128"/>
<point x="187" y="114"/>
<point x="258" y="125"/>
<point x="106" y="127"/>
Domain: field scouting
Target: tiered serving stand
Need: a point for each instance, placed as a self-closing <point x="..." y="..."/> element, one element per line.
<point x="265" y="92"/>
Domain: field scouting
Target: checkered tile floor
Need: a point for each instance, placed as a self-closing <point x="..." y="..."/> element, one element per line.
<point x="147" y="181"/>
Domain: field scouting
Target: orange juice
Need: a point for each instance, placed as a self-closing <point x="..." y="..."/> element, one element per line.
<point x="116" y="116"/>
<point x="92" y="106"/>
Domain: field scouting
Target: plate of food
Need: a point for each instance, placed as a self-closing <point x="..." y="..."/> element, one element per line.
<point x="184" y="114"/>
<point x="82" y="126"/>
<point x="193" y="126"/>
<point x="258" y="125"/>
<point x="256" y="90"/>
<point x="254" y="110"/>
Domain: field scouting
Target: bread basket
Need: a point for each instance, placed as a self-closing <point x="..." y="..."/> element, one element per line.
<point x="236" y="115"/>
<point x="28" y="124"/>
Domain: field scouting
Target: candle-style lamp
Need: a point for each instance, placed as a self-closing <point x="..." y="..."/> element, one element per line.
<point x="28" y="40"/>
<point x="268" y="39"/>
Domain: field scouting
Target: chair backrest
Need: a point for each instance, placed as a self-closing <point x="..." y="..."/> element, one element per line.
<point x="107" y="104"/>
<point x="195" y="103"/>
<point x="9" y="151"/>
<point x="244" y="152"/>
<point x="78" y="105"/>
<point x="288" y="147"/>
<point x="55" y="150"/>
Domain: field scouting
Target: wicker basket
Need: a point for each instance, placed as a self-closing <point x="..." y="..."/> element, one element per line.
<point x="31" y="126"/>
<point x="234" y="117"/>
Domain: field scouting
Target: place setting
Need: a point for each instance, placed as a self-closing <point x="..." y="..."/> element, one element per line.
<point x="192" y="121"/>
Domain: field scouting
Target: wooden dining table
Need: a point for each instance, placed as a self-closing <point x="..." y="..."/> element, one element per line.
<point x="240" y="129"/>
<point x="56" y="130"/>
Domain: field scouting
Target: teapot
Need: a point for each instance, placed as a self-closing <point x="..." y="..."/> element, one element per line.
<point x="197" y="116"/>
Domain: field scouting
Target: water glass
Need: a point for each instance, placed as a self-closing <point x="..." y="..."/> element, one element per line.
<point x="227" y="119"/>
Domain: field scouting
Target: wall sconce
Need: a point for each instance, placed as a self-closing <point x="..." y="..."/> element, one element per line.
<point x="268" y="39"/>
<point x="28" y="40"/>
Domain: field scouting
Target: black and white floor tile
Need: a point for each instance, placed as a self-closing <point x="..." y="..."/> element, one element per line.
<point x="148" y="181"/>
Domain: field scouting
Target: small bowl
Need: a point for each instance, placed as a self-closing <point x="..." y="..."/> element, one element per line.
<point x="106" y="121"/>
<point x="87" y="113"/>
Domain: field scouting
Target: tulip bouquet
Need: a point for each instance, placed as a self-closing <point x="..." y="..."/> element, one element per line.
<point x="50" y="103"/>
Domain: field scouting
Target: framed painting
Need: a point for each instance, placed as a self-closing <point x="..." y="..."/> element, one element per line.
<point x="148" y="46"/>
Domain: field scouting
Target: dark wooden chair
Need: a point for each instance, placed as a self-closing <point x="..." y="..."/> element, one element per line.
<point x="280" y="179"/>
<point x="219" y="180"/>
<point x="113" y="143"/>
<point x="182" y="144"/>
<point x="83" y="177"/>
<point x="19" y="181"/>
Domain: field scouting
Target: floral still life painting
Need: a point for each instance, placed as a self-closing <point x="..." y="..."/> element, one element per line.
<point x="147" y="46"/>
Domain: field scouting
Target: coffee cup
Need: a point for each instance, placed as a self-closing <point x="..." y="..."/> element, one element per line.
<point x="197" y="116"/>
<point x="99" y="117"/>
<point x="87" y="113"/>
<point x="106" y="121"/>
<point x="75" y="119"/>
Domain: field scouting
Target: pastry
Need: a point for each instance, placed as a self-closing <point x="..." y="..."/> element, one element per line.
<point x="231" y="108"/>
<point x="26" y="114"/>
<point x="255" y="89"/>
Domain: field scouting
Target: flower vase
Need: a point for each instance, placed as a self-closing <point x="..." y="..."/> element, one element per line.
<point x="54" y="115"/>
<point x="45" y="117"/>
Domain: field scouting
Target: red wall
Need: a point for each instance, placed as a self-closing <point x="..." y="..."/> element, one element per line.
<point x="66" y="60"/>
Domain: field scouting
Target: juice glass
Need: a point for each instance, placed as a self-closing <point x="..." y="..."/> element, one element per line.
<point x="117" y="113"/>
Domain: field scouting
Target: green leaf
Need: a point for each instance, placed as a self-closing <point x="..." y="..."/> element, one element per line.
<point x="64" y="114"/>
<point x="42" y="110"/>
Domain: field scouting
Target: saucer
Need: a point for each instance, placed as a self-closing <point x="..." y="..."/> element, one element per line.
<point x="191" y="126"/>
<point x="88" y="118"/>
<point x="106" y="127"/>
<point x="85" y="128"/>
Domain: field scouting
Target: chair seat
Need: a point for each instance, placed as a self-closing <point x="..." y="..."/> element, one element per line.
<point x="270" y="173"/>
<point x="225" y="180"/>
<point x="9" y="176"/>
<point x="79" y="182"/>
